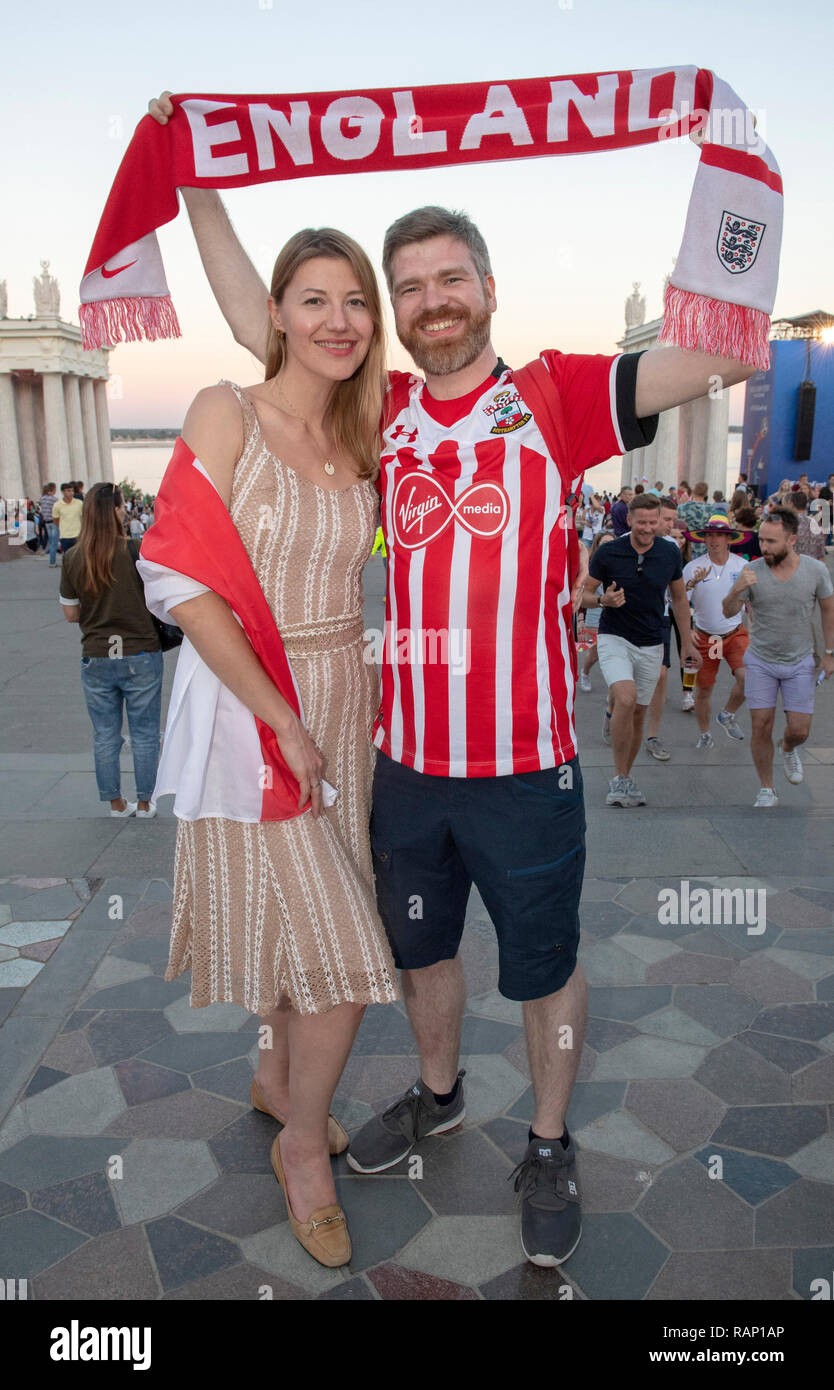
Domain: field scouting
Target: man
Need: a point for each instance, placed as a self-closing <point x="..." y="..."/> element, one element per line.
<point x="718" y="502"/>
<point x="635" y="571"/>
<point x="809" y="537"/>
<point x="708" y="584"/>
<point x="78" y="489"/>
<point x="67" y="513"/>
<point x="619" y="511"/>
<point x="658" y="750"/>
<point x="657" y="490"/>
<point x="477" y="778"/>
<point x="696" y="512"/>
<point x="827" y="517"/>
<point x="47" y="505"/>
<point x="782" y="589"/>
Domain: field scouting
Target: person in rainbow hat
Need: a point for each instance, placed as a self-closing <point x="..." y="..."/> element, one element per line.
<point x="708" y="581"/>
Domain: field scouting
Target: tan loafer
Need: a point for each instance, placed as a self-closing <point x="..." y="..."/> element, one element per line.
<point x="337" y="1137"/>
<point x="325" y="1236"/>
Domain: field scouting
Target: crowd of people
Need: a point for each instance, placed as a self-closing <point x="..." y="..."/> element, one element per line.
<point x="738" y="583"/>
<point x="53" y="523"/>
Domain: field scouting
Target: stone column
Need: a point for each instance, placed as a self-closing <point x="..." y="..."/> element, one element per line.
<point x="11" y="471"/>
<point x="75" y="427"/>
<point x="717" y="412"/>
<point x="27" y="434"/>
<point x="103" y="421"/>
<point x="666" y="448"/>
<point x="55" y="422"/>
<point x="92" y="467"/>
<point x="694" y="423"/>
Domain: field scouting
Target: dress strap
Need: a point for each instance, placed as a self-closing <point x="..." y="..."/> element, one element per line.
<point x="250" y="417"/>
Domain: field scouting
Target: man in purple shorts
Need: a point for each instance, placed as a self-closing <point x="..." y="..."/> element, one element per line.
<point x="781" y="589"/>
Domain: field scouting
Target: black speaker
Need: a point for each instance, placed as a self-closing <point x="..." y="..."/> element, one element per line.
<point x="804" y="421"/>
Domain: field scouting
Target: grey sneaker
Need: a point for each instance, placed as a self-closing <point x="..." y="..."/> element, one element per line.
<point x="619" y="793"/>
<point x="705" y="741"/>
<point x="637" y="797"/>
<point x="657" y="750"/>
<point x="728" y="724"/>
<point x="388" y="1137"/>
<point x="551" y="1216"/>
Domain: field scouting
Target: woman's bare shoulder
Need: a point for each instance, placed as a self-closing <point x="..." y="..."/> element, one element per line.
<point x="213" y="430"/>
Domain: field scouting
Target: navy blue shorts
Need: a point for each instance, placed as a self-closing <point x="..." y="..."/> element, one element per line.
<point x="667" y="641"/>
<point x="520" y="839"/>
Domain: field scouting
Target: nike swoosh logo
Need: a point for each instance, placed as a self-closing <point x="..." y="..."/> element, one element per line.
<point x="108" y="274"/>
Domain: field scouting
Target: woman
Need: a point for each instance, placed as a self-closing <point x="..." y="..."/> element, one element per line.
<point x="279" y="915"/>
<point x="121" y="659"/>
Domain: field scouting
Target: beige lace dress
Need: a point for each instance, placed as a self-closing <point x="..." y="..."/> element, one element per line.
<point x="284" y="911"/>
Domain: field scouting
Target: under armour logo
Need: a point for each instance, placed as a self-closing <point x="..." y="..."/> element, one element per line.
<point x="422" y="510"/>
<point x="401" y="430"/>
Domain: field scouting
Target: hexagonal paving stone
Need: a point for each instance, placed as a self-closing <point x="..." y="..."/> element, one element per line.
<point x="681" y="1112"/>
<point x="532" y="1284"/>
<point x="214" y="1018"/>
<point x="114" y="971"/>
<point x="118" y="1034"/>
<point x="621" y="1136"/>
<point x="189" y="1052"/>
<point x="816" y="1082"/>
<point x="724" y="1275"/>
<point x="492" y="1084"/>
<point x="780" y="1130"/>
<point x="795" y="910"/>
<point x="688" y="968"/>
<point x="43" y="1078"/>
<point x="808" y="1022"/>
<point x="243" y="1147"/>
<point x="825" y="989"/>
<point x="185" y="1115"/>
<point x="720" y="1008"/>
<point x="391" y="1281"/>
<point x="24" y="933"/>
<point x="617" y="1257"/>
<point x="238" y="1204"/>
<point x="85" y="1202"/>
<point x="277" y="1251"/>
<point x="18" y="973"/>
<point x="141" y="1081"/>
<point x="600" y="920"/>
<point x="465" y="1249"/>
<point x="611" y="1184"/>
<point x="647" y="948"/>
<point x="159" y="1174"/>
<point x="629" y="1003"/>
<point x="11" y="1198"/>
<point x="641" y="895"/>
<point x="770" y="980"/>
<point x="462" y="1175"/>
<point x="786" y="1053"/>
<point x="605" y="963"/>
<point x="148" y="993"/>
<point x="741" y="1076"/>
<point x="691" y="1211"/>
<point x="83" y="1104"/>
<point x="809" y="1268"/>
<point x="31" y="1242"/>
<point x="384" y="1031"/>
<point x="809" y="965"/>
<point x="494" y="1005"/>
<point x="183" y="1252"/>
<point x="604" y="1033"/>
<point x="675" y="1024"/>
<point x="646" y="1056"/>
<point x="801" y="1215"/>
<point x="111" y="1268"/>
<point x="58" y="901"/>
<point x="754" y="1178"/>
<point x="242" y="1282"/>
<point x="816" y="1160"/>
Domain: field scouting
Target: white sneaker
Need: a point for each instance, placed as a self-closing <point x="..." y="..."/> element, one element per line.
<point x="148" y="815"/>
<point x="688" y="701"/>
<point x="766" y="797"/>
<point x="585" y="683"/>
<point x="705" y="741"/>
<point x="129" y="810"/>
<point x="793" y="765"/>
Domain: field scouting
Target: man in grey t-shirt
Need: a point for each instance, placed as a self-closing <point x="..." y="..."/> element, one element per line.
<point x="781" y="589"/>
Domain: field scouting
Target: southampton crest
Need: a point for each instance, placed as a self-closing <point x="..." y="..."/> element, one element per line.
<point x="508" y="409"/>
<point x="738" y="242"/>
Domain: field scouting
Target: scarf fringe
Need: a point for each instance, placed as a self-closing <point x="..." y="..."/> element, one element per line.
<point x="109" y="321"/>
<point x="699" y="324"/>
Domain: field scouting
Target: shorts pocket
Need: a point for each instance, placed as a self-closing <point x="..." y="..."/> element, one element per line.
<point x="542" y="914"/>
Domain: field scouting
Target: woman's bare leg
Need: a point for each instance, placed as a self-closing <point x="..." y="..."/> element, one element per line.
<point x="273" y="1070"/>
<point x="319" y="1045"/>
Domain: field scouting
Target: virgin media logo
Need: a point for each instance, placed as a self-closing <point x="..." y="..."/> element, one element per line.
<point x="422" y="510"/>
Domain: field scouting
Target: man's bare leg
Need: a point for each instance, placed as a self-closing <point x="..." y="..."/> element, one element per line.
<point x="554" y="1029"/>
<point x="435" y="998"/>
<point x="761" y="744"/>
<point x="658" y="700"/>
<point x="624" y="694"/>
<point x="797" y="729"/>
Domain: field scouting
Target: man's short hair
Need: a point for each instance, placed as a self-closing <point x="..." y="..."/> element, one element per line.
<point x="644" y="501"/>
<point x="799" y="500"/>
<point x="66" y="485"/>
<point x="786" y="517"/>
<point x="669" y="503"/>
<point x="432" y="221"/>
<point x="627" y="488"/>
<point x="700" y="490"/>
<point x="683" y="483"/>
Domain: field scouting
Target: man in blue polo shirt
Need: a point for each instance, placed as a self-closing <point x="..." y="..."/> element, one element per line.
<point x="634" y="571"/>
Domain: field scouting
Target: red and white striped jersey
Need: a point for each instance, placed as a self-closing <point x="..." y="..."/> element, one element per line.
<point x="479" y="664"/>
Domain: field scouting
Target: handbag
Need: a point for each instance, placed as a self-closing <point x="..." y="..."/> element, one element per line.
<point x="169" y="634"/>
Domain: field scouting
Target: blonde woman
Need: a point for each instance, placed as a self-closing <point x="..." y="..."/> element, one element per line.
<point x="280" y="915"/>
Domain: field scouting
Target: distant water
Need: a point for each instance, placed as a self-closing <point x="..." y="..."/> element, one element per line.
<point x="145" y="467"/>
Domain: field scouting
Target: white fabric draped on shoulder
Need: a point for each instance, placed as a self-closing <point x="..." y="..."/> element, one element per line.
<point x="211" y="759"/>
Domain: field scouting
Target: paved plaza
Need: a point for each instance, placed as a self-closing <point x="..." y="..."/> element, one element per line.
<point x="132" y="1166"/>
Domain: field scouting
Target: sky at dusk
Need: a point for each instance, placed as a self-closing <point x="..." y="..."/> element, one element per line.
<point x="567" y="235"/>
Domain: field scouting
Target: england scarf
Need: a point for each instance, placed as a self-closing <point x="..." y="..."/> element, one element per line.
<point x="723" y="286"/>
<point x="217" y="757"/>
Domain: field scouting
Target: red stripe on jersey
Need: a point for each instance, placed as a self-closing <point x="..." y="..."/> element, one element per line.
<point x="434" y="615"/>
<point x="528" y="604"/>
<point x="482" y="627"/>
<point x="559" y="628"/>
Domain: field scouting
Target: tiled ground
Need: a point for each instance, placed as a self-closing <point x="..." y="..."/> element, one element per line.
<point x="131" y="1165"/>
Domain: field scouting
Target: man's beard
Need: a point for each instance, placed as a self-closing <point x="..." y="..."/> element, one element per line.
<point x="442" y="358"/>
<point x="776" y="559"/>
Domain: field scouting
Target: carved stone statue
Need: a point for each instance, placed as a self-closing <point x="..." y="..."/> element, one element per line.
<point x="635" y="307"/>
<point x="47" y="294"/>
<point x="4" y="300"/>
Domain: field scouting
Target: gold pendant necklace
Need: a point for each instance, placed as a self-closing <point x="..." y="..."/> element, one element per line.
<point x="327" y="463"/>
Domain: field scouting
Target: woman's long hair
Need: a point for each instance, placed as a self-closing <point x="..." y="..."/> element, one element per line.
<point x="355" y="407"/>
<point x="101" y="531"/>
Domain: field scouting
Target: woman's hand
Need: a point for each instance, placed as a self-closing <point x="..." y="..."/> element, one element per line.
<point x="161" y="108"/>
<point x="304" y="761"/>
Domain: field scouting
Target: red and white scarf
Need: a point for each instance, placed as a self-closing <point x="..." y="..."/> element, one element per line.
<point x="723" y="286"/>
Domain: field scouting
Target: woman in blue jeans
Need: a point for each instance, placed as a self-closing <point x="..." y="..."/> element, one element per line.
<point x="121" y="661"/>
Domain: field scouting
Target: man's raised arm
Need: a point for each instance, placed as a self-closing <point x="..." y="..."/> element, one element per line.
<point x="238" y="288"/>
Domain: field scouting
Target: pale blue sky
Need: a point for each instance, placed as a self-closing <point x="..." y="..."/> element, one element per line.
<point x="567" y="236"/>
